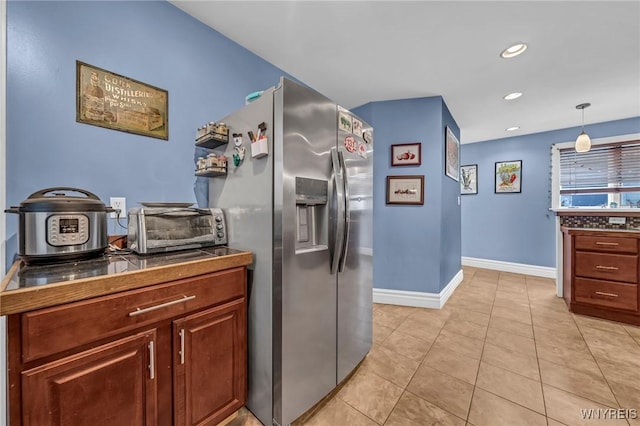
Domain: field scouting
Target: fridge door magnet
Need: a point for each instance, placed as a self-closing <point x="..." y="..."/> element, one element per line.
<point x="356" y="126"/>
<point x="350" y="144"/>
<point x="344" y="122"/>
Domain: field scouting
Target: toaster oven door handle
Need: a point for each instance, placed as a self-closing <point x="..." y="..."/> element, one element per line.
<point x="179" y="212"/>
<point x="139" y="311"/>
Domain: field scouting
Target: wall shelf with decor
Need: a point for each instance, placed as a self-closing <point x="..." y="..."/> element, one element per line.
<point x="212" y="140"/>
<point x="222" y="171"/>
<point x="211" y="136"/>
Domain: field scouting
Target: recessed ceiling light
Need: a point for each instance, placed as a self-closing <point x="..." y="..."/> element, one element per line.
<point x="511" y="129"/>
<point x="512" y="96"/>
<point x="513" y="50"/>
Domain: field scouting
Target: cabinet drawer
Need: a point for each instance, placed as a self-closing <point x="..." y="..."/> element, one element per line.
<point x="613" y="267"/>
<point x="608" y="244"/>
<point x="606" y="293"/>
<point x="60" y="328"/>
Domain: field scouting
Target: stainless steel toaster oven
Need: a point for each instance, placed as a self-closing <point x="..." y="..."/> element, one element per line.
<point x="164" y="229"/>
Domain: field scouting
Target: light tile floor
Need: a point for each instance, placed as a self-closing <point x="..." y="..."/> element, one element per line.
<point x="503" y="351"/>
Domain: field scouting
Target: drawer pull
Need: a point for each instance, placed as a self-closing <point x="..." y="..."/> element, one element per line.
<point x="602" y="293"/>
<point x="599" y="243"/>
<point x="152" y="362"/>
<point x="607" y="268"/>
<point x="139" y="311"/>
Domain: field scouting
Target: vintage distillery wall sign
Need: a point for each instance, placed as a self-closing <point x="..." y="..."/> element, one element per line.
<point x="120" y="103"/>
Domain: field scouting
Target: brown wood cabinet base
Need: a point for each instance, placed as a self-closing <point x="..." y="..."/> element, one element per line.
<point x="102" y="362"/>
<point x="601" y="274"/>
<point x="629" y="318"/>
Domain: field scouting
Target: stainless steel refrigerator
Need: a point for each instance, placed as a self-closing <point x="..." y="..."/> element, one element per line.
<point x="305" y="211"/>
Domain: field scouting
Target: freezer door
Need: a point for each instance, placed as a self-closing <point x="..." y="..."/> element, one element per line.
<point x="355" y="279"/>
<point x="304" y="288"/>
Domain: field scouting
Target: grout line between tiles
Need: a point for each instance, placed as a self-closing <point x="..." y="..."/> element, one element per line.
<point x="595" y="359"/>
<point x="535" y="344"/>
<point x="484" y="342"/>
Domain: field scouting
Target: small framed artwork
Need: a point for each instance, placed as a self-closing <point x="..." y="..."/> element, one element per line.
<point x="405" y="190"/>
<point x="406" y="154"/>
<point x="451" y="155"/>
<point x="508" y="176"/>
<point x="469" y="179"/>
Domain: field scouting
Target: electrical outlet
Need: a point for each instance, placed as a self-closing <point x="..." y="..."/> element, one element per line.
<point x="119" y="203"/>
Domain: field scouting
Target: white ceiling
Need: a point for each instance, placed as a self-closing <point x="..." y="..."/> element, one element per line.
<point x="361" y="51"/>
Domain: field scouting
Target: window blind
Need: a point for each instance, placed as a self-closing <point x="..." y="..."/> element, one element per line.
<point x="605" y="168"/>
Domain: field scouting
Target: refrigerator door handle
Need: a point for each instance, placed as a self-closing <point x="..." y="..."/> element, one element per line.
<point x="338" y="183"/>
<point x="347" y="213"/>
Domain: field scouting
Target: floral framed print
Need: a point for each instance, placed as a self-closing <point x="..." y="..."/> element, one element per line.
<point x="469" y="179"/>
<point x="406" y="154"/>
<point x="451" y="155"/>
<point x="405" y="190"/>
<point x="508" y="178"/>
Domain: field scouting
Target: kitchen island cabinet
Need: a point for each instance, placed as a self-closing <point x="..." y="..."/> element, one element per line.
<point x="170" y="353"/>
<point x="601" y="272"/>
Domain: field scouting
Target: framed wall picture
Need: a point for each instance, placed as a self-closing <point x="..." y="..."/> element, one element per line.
<point x="406" y="154"/>
<point x="451" y="155"/>
<point x="405" y="190"/>
<point x="469" y="179"/>
<point x="116" y="102"/>
<point x="508" y="177"/>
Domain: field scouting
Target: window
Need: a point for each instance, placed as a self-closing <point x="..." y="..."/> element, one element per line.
<point x="608" y="175"/>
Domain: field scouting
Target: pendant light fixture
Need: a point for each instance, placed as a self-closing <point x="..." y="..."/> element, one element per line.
<point x="583" y="143"/>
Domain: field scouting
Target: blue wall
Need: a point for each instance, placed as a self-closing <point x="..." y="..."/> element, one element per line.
<point x="519" y="228"/>
<point x="207" y="76"/>
<point x="416" y="248"/>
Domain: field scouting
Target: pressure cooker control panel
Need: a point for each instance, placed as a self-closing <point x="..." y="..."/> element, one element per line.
<point x="67" y="229"/>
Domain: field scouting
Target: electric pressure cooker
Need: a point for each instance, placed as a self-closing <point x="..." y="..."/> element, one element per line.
<point x="55" y="226"/>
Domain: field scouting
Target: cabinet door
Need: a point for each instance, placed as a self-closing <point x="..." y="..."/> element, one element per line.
<point x="210" y="364"/>
<point x="113" y="384"/>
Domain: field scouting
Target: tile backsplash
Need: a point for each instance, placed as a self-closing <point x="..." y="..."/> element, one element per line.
<point x="601" y="222"/>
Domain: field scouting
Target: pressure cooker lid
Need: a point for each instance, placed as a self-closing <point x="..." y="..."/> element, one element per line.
<point x="57" y="200"/>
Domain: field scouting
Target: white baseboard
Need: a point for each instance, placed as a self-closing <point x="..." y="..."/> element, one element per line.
<point x="517" y="268"/>
<point x="417" y="299"/>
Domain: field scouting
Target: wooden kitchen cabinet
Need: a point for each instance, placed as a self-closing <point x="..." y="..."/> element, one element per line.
<point x="601" y="273"/>
<point x="112" y="384"/>
<point x="167" y="354"/>
<point x="212" y="350"/>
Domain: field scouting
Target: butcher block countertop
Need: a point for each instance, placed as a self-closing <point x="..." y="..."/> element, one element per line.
<point x="29" y="287"/>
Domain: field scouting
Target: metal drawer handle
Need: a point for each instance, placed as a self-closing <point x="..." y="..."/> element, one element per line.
<point x="152" y="362"/>
<point x="602" y="293"/>
<point x="606" y="244"/>
<point x="607" y="268"/>
<point x="182" y="346"/>
<point x="139" y="311"/>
